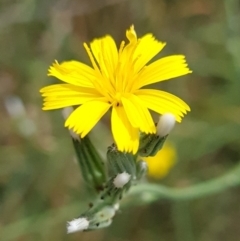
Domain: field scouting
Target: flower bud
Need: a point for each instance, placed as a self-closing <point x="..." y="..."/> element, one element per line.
<point x="165" y="124"/>
<point x="91" y="164"/>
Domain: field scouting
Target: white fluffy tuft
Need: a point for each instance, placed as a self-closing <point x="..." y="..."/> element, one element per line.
<point x="78" y="224"/>
<point x="121" y="179"/>
<point x="165" y="124"/>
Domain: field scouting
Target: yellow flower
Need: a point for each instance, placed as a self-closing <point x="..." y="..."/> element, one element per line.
<point x="160" y="164"/>
<point x="115" y="82"/>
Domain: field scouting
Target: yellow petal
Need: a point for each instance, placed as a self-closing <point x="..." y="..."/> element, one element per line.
<point x="106" y="54"/>
<point x="126" y="53"/>
<point x="142" y="52"/>
<point x="102" y="82"/>
<point x="163" y="102"/>
<point x="147" y="48"/>
<point x="67" y="89"/>
<point x="73" y="72"/>
<point x="138" y="114"/>
<point x="63" y="95"/>
<point x="163" y="69"/>
<point x="125" y="69"/>
<point x="125" y="135"/>
<point x="131" y="35"/>
<point x="85" y="117"/>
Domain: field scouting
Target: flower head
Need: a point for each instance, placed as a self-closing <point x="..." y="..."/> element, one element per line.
<point x="114" y="82"/>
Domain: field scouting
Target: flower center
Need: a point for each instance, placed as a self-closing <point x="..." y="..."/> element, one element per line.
<point x="117" y="99"/>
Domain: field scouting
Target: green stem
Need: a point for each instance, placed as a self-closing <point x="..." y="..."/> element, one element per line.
<point x="50" y="219"/>
<point x="155" y="191"/>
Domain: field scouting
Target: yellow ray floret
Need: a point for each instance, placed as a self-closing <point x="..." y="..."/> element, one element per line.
<point x="114" y="82"/>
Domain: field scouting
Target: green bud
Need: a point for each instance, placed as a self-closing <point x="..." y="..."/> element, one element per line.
<point x="91" y="164"/>
<point x="120" y="162"/>
<point x="150" y="144"/>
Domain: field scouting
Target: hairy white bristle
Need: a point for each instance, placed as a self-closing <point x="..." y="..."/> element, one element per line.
<point x="121" y="179"/>
<point x="78" y="224"/>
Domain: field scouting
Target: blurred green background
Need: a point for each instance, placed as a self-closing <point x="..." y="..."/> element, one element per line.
<point x="40" y="183"/>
